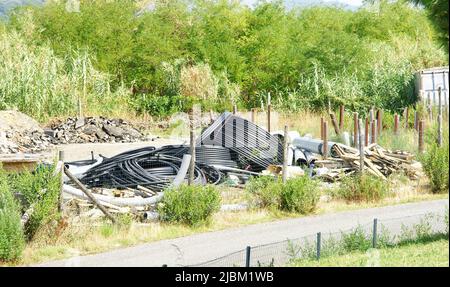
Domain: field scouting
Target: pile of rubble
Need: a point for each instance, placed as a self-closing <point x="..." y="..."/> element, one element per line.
<point x="93" y="130"/>
<point x="22" y="134"/>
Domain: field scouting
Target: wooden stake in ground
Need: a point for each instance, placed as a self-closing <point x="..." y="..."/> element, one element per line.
<point x="416" y="121"/>
<point x="211" y="118"/>
<point x="396" y="124"/>
<point x="335" y="124"/>
<point x="321" y="128"/>
<point x="234" y="109"/>
<point x="61" y="182"/>
<point x="191" y="148"/>
<point x="406" y="118"/>
<point x="379" y="121"/>
<point x="361" y="147"/>
<point x="325" y="140"/>
<point x="268" y="113"/>
<point x="440" y="117"/>
<point x="285" y="154"/>
<point x="366" y="133"/>
<point x="341" y="117"/>
<point x="89" y="194"/>
<point x="355" y="129"/>
<point x="374" y="132"/>
<point x="430" y="107"/>
<point x="254" y="115"/>
<point x="421" y="131"/>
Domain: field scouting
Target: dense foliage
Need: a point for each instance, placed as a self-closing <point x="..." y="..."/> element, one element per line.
<point x="435" y="163"/>
<point x="300" y="194"/>
<point x="191" y="205"/>
<point x="12" y="240"/>
<point x="305" y="57"/>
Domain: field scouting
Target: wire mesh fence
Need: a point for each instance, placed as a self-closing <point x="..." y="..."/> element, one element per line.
<point x="372" y="234"/>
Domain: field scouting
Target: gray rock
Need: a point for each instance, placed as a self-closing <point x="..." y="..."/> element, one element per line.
<point x="113" y="131"/>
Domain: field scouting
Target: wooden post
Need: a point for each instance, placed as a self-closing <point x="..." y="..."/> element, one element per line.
<point x="89" y="195"/>
<point x="416" y="121"/>
<point x="372" y="116"/>
<point x="234" y="109"/>
<point x="321" y="128"/>
<point x="379" y="121"/>
<point x="211" y="117"/>
<point x="254" y="115"/>
<point x="325" y="140"/>
<point x="366" y="133"/>
<point x="341" y="117"/>
<point x="396" y="124"/>
<point x="374" y="132"/>
<point x="430" y="107"/>
<point x="335" y="124"/>
<point x="439" y="141"/>
<point x="61" y="182"/>
<point x="268" y="113"/>
<point x="355" y="129"/>
<point x="421" y="131"/>
<point x="191" y="148"/>
<point x="285" y="154"/>
<point x="361" y="147"/>
<point x="406" y="118"/>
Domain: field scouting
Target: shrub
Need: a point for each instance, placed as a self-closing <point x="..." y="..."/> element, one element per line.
<point x="300" y="195"/>
<point x="12" y="240"/>
<point x="355" y="240"/>
<point x="364" y="187"/>
<point x="435" y="164"/>
<point x="189" y="205"/>
<point x="264" y="190"/>
<point x="40" y="189"/>
<point x="297" y="195"/>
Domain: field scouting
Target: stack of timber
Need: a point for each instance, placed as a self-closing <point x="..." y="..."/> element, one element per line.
<point x="377" y="161"/>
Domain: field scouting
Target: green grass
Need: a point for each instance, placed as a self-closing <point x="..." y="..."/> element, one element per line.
<point x="431" y="254"/>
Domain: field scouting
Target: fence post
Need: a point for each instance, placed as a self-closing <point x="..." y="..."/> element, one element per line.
<point x="341" y="117"/>
<point x="366" y="133"/>
<point x="268" y="113"/>
<point x="211" y="118"/>
<point x="191" y="148"/>
<point x="285" y="154"/>
<point x="319" y="244"/>
<point x="396" y="124"/>
<point x="355" y="129"/>
<point x="361" y="147"/>
<point x="321" y="128"/>
<point x="373" y="138"/>
<point x="61" y="182"/>
<point x="406" y="117"/>
<point x="440" y="117"/>
<point x="374" y="233"/>
<point x="254" y="115"/>
<point x="379" y="121"/>
<point x="234" y="109"/>
<point x="325" y="140"/>
<point x="164" y="265"/>
<point x="247" y="256"/>
<point x="416" y="123"/>
<point x="421" y="130"/>
<point x="335" y="124"/>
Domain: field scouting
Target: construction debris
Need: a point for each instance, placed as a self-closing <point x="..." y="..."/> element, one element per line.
<point x="93" y="129"/>
<point x="377" y="161"/>
<point x="21" y="134"/>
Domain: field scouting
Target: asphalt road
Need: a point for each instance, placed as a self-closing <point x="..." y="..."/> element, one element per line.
<point x="207" y="246"/>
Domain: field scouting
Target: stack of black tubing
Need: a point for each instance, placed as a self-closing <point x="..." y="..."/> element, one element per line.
<point x="148" y="167"/>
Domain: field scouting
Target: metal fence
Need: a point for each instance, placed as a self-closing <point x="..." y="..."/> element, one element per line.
<point x="376" y="233"/>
